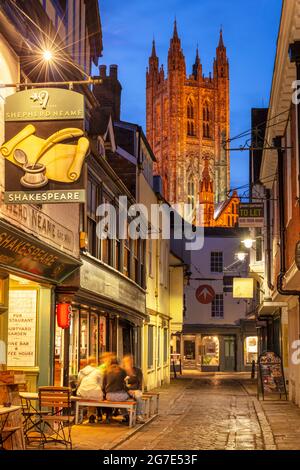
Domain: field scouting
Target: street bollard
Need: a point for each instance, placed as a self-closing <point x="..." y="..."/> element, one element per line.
<point x="253" y="370"/>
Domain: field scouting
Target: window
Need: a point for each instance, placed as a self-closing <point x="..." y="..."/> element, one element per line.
<point x="210" y="350"/>
<point x="217" y="306"/>
<point x="166" y="344"/>
<point x="190" y="118"/>
<point x="259" y="244"/>
<point x="159" y="346"/>
<point x="207" y="117"/>
<point x="216" y="261"/>
<point x="227" y="284"/>
<point x="150" y="254"/>
<point x="191" y="193"/>
<point x="150" y="347"/>
<point x="250" y="349"/>
<point x="93" y="200"/>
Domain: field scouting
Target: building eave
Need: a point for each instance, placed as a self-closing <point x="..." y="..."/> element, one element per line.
<point x="284" y="73"/>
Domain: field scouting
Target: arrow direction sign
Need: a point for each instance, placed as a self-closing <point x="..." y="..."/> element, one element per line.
<point x="205" y="294"/>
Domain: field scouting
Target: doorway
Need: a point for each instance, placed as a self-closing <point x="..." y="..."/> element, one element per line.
<point x="229" y="353"/>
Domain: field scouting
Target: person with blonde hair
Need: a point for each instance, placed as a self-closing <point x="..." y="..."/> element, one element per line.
<point x="90" y="380"/>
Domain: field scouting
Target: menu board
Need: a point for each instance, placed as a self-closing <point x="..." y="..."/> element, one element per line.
<point x="21" y="328"/>
<point x="271" y="374"/>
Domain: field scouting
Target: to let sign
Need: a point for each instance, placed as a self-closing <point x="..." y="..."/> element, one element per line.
<point x="251" y="215"/>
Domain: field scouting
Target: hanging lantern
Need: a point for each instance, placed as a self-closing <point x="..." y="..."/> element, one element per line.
<point x="63" y="313"/>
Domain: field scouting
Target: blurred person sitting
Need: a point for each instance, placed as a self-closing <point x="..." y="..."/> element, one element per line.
<point x="134" y="384"/>
<point x="90" y="380"/>
<point x="114" y="387"/>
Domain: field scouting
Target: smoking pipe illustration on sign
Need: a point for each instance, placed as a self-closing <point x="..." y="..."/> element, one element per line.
<point x="47" y="159"/>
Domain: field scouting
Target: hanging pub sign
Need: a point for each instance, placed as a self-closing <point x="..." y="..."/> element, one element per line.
<point x="243" y="288"/>
<point x="251" y="215"/>
<point x="271" y="374"/>
<point x="45" y="147"/>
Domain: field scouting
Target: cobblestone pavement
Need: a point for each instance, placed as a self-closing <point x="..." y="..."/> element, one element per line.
<point x="203" y="412"/>
<point x="214" y="412"/>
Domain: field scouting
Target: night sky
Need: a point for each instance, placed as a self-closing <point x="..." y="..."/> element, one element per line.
<point x="250" y="29"/>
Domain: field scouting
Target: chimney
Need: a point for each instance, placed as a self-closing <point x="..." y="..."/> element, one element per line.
<point x="113" y="72"/>
<point x="102" y="70"/>
<point x="108" y="93"/>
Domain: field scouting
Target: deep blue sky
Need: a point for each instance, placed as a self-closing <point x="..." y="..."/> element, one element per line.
<point x="250" y="30"/>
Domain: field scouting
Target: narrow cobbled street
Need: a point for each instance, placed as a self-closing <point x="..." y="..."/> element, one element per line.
<point x="217" y="412"/>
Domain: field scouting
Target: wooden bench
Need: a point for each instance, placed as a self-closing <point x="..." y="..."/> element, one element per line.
<point x="154" y="400"/>
<point x="128" y="405"/>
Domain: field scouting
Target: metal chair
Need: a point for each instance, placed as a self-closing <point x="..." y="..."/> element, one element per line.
<point x="56" y="425"/>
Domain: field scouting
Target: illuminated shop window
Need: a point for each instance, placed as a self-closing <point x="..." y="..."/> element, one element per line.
<point x="250" y="349"/>
<point x="210" y="351"/>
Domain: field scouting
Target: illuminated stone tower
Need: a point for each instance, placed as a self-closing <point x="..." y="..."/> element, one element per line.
<point x="187" y="120"/>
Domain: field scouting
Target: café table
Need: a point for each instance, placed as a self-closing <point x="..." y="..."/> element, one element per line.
<point x="7" y="431"/>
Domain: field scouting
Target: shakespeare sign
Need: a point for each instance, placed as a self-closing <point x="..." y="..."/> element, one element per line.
<point x="45" y="147"/>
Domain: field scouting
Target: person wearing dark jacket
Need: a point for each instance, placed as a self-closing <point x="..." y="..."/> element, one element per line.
<point x="134" y="384"/>
<point x="113" y="386"/>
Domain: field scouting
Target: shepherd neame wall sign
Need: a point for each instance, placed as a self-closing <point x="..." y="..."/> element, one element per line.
<point x="45" y="147"/>
<point x="47" y="104"/>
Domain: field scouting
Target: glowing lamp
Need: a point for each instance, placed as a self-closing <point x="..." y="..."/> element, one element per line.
<point x="47" y="55"/>
<point x="63" y="314"/>
<point x="248" y="243"/>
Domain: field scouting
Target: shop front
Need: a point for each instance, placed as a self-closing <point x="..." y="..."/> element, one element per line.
<point x="30" y="270"/>
<point x="108" y="312"/>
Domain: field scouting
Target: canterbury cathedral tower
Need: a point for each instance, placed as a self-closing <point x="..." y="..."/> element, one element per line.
<point x="187" y="121"/>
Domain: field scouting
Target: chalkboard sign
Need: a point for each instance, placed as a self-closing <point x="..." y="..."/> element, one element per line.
<point x="271" y="374"/>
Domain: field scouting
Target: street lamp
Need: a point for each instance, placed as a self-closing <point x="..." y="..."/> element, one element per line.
<point x="241" y="255"/>
<point x="248" y="243"/>
<point x="47" y="55"/>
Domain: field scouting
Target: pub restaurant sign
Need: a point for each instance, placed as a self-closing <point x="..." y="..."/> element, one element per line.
<point x="45" y="147"/>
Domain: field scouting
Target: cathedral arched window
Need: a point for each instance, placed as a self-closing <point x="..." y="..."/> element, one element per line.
<point x="207" y="118"/>
<point x="191" y="192"/>
<point x="190" y="112"/>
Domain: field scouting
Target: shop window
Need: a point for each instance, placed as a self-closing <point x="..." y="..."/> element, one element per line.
<point x="74" y="341"/>
<point x="210" y="351"/>
<point x="217" y="306"/>
<point x="216" y="261"/>
<point x="83" y="348"/>
<point x="150" y="347"/>
<point x="102" y="335"/>
<point x="250" y="349"/>
<point x="93" y="333"/>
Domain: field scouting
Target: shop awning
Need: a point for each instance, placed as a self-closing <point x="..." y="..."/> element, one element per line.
<point x="23" y="254"/>
<point x="269" y="309"/>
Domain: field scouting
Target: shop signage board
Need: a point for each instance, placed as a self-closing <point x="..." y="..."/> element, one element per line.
<point x="32" y="219"/>
<point x="205" y="294"/>
<point x="251" y="215"/>
<point x="45" y="147"/>
<point x="26" y="255"/>
<point x="243" y="288"/>
<point x="271" y="374"/>
<point x="21" y="328"/>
